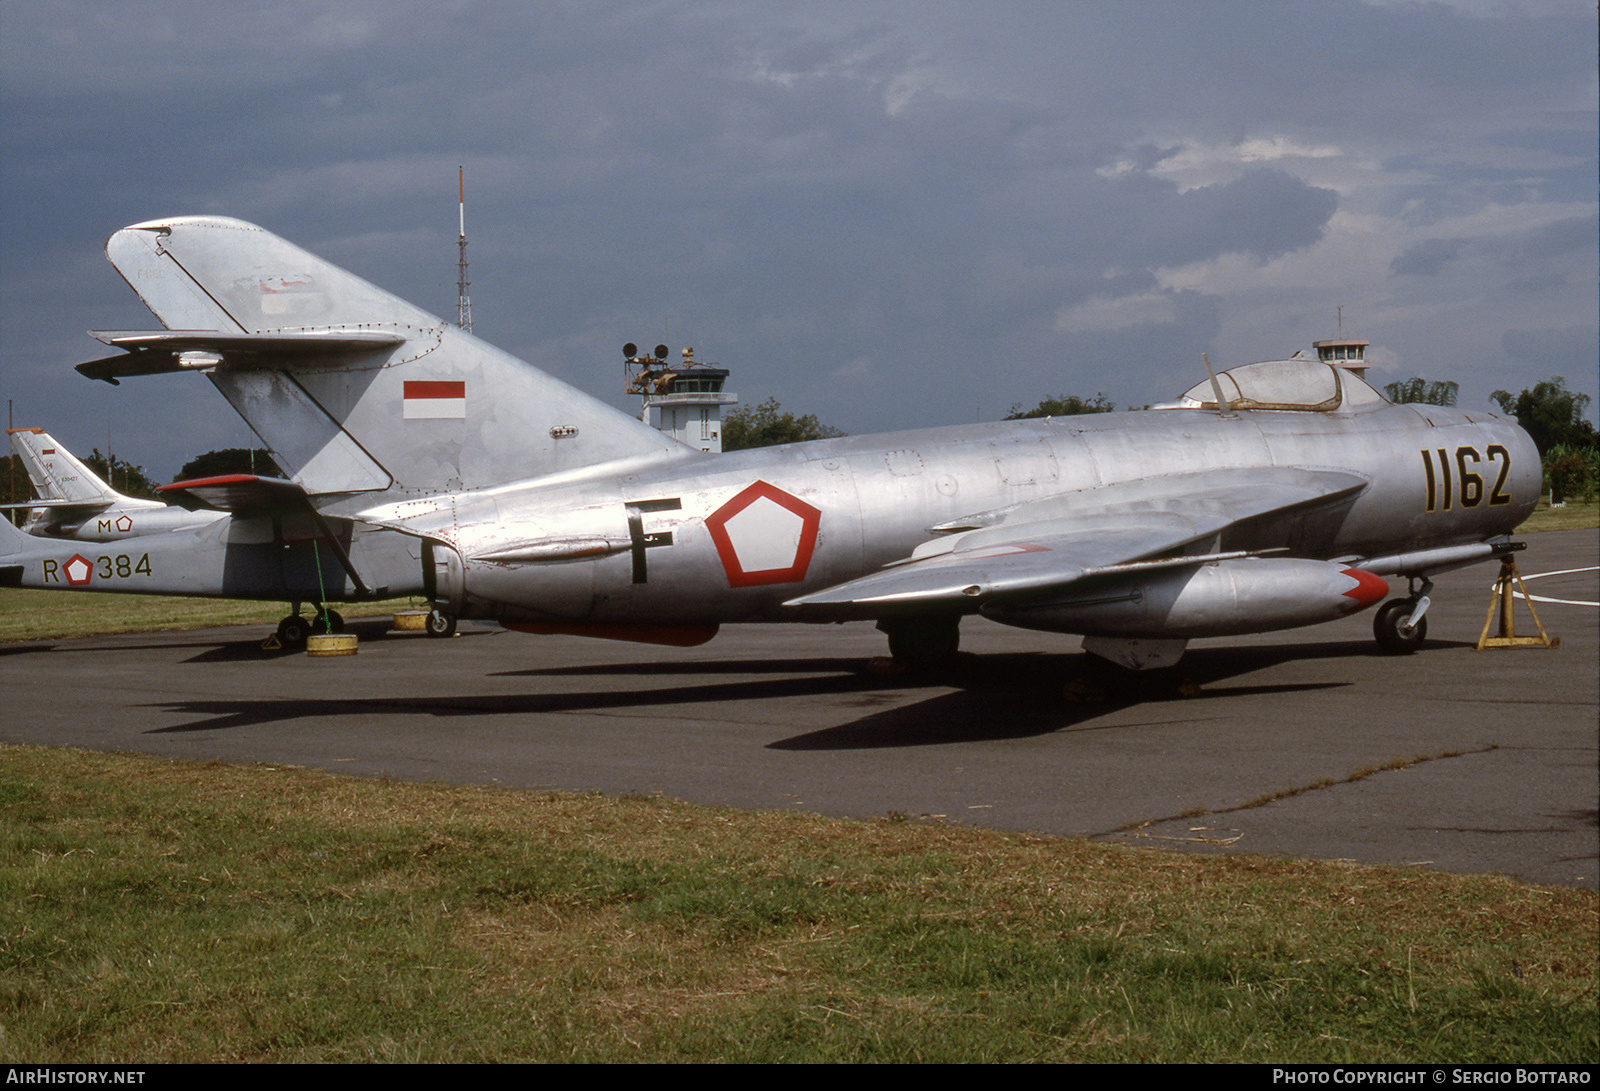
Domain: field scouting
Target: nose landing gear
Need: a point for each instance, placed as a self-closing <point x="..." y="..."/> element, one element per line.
<point x="1399" y="625"/>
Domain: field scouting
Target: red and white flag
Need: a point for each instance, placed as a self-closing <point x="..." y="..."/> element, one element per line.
<point x="435" y="399"/>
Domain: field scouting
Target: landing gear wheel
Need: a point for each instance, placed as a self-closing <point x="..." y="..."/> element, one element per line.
<point x="1390" y="629"/>
<point x="330" y="621"/>
<point x="925" y="642"/>
<point x="441" y="623"/>
<point x="293" y="630"/>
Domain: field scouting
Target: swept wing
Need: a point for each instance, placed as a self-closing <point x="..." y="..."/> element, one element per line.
<point x="1035" y="550"/>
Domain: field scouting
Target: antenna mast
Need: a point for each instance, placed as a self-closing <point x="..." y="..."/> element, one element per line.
<point x="464" y="306"/>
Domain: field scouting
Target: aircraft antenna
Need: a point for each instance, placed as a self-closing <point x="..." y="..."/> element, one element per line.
<point x="1224" y="406"/>
<point x="11" y="462"/>
<point x="464" y="304"/>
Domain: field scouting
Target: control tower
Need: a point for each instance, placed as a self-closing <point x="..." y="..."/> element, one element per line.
<point x="687" y="397"/>
<point x="1345" y="352"/>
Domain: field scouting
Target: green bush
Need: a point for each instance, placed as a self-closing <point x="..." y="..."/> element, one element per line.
<point x="1571" y="472"/>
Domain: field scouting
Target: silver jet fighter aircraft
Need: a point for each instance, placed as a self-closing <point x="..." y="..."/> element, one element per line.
<point x="232" y="537"/>
<point x="1271" y="495"/>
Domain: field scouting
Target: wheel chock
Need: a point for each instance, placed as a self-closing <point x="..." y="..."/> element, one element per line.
<point x="320" y="644"/>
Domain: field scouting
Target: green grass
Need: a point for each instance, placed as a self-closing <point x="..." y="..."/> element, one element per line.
<point x="1574" y="516"/>
<point x="153" y="911"/>
<point x="28" y="614"/>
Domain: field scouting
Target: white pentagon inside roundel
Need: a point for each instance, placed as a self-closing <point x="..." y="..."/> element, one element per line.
<point x="77" y="570"/>
<point x="765" y="535"/>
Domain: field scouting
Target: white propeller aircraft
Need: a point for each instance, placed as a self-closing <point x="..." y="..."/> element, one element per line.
<point x="265" y="543"/>
<point x="1271" y="495"/>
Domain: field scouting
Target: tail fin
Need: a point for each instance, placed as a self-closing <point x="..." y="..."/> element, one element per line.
<point x="70" y="493"/>
<point x="56" y="473"/>
<point x="353" y="389"/>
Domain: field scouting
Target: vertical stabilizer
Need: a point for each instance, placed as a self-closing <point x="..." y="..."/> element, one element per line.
<point x="432" y="409"/>
<point x="57" y="474"/>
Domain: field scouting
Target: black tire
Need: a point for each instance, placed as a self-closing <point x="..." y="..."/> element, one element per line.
<point x="330" y="621"/>
<point x="1391" y="636"/>
<point x="925" y="642"/>
<point x="293" y="631"/>
<point x="441" y="624"/>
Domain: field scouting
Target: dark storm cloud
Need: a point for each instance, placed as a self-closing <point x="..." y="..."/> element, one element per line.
<point x="1567" y="352"/>
<point x="1425" y="258"/>
<point x="852" y="207"/>
<point x="1265" y="213"/>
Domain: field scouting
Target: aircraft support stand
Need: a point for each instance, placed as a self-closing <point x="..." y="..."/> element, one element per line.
<point x="1503" y="600"/>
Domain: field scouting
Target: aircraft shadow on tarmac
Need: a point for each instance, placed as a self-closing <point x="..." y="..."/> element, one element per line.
<point x="220" y="645"/>
<point x="983" y="698"/>
<point x="1020" y="696"/>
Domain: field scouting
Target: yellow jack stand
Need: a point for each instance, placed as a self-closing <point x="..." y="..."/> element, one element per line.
<point x="1503" y="599"/>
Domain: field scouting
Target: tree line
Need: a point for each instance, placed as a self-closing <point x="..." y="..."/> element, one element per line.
<point x="132" y="480"/>
<point x="1553" y="417"/>
<point x="1548" y="411"/>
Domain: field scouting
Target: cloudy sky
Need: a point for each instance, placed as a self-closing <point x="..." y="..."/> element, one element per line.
<point x="889" y="214"/>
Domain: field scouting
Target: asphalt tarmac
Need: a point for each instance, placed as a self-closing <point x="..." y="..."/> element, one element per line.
<point x="1308" y="743"/>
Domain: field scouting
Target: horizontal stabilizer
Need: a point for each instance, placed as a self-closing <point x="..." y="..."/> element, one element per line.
<point x="67" y="507"/>
<point x="240" y="494"/>
<point x="289" y="344"/>
<point x="152" y="352"/>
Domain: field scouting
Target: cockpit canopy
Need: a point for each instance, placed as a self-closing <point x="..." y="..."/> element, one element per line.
<point x="1304" y="386"/>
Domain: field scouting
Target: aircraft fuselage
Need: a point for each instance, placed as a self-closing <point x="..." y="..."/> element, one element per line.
<point x="733" y="537"/>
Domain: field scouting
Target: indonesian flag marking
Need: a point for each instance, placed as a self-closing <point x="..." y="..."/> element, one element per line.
<point x="435" y="399"/>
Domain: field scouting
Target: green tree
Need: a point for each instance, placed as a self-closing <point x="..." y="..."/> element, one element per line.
<point x="1550" y="413"/>
<point x="15" y="487"/>
<point x="1572" y="473"/>
<point x="766" y="425"/>
<point x="1440" y="392"/>
<point x="230" y="460"/>
<point x="125" y="477"/>
<point x="1066" y="405"/>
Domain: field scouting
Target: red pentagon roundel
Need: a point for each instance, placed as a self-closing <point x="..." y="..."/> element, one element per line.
<point x="764" y="535"/>
<point x="78" y="569"/>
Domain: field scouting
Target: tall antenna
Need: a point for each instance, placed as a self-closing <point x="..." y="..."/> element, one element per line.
<point x="464" y="307"/>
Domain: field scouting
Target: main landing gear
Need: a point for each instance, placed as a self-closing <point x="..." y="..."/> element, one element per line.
<point x="1399" y="624"/>
<point x="923" y="642"/>
<point x="440" y="623"/>
<point x="294" y="630"/>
